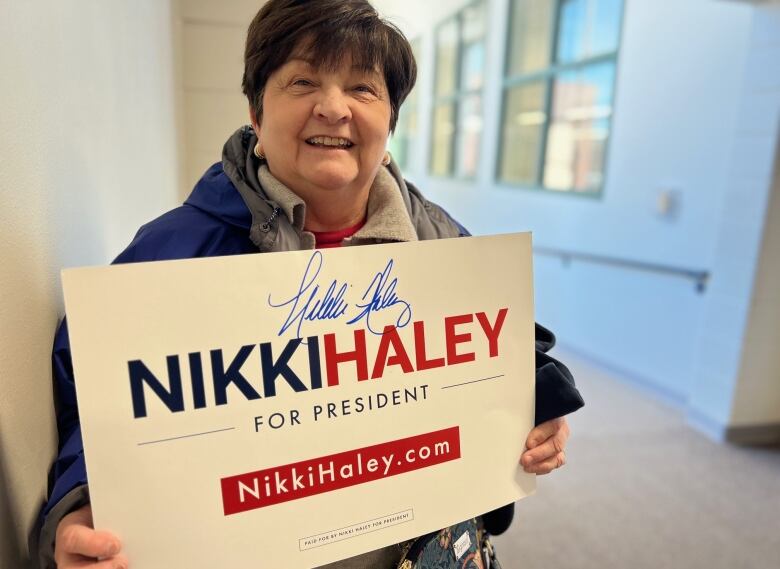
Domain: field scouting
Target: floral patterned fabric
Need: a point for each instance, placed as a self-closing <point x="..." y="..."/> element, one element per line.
<point x="450" y="548"/>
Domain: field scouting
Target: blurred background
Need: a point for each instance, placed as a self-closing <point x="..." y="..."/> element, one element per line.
<point x="637" y="139"/>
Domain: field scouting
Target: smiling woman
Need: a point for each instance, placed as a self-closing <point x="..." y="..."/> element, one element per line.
<point x="324" y="80"/>
<point x="324" y="100"/>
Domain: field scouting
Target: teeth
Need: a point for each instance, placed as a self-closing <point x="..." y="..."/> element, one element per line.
<point x="330" y="141"/>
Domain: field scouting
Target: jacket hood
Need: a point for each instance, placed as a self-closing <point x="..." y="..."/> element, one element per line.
<point x="215" y="195"/>
<point x="248" y="208"/>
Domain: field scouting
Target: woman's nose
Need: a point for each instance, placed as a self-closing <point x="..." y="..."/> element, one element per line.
<point x="333" y="107"/>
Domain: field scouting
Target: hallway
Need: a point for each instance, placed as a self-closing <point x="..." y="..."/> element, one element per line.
<point x="642" y="489"/>
<point x="638" y="140"/>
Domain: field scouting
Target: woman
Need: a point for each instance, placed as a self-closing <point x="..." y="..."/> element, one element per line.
<point x="325" y="80"/>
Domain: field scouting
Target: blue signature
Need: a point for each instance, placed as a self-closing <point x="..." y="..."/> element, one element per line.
<point x="382" y="297"/>
<point x="309" y="304"/>
<point x="329" y="307"/>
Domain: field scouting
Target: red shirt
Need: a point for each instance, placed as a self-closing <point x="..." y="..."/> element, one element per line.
<point x="331" y="239"/>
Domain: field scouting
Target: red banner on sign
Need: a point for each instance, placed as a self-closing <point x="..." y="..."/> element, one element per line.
<point x="279" y="484"/>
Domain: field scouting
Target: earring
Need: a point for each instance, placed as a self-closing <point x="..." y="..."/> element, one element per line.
<point x="258" y="152"/>
<point x="386" y="159"/>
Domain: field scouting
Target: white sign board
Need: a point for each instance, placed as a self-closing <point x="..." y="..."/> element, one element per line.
<point x="293" y="409"/>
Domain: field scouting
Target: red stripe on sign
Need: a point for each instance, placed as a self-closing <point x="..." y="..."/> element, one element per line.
<point x="279" y="484"/>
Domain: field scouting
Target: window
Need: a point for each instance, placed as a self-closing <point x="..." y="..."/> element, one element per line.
<point x="404" y="140"/>
<point x="558" y="88"/>
<point x="457" y="109"/>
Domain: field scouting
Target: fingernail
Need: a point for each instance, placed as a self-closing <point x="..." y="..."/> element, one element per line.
<point x="111" y="549"/>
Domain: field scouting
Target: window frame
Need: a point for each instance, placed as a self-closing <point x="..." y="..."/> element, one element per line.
<point x="459" y="94"/>
<point x="410" y="108"/>
<point x="547" y="77"/>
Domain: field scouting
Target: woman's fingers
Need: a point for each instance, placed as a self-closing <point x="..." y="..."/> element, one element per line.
<point x="82" y="540"/>
<point x="547" y="466"/>
<point x="546" y="445"/>
<point x="79" y="562"/>
<point x="77" y="545"/>
<point x="542" y="432"/>
<point x="544" y="451"/>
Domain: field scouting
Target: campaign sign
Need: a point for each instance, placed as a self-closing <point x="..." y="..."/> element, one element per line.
<point x="293" y="409"/>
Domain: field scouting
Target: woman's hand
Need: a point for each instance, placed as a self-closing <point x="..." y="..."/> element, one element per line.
<point x="546" y="444"/>
<point x="78" y="546"/>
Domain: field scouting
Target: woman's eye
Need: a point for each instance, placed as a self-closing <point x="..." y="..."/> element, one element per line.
<point x="302" y="83"/>
<point x="365" y="89"/>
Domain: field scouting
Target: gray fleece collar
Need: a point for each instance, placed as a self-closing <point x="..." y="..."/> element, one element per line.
<point x="386" y="217"/>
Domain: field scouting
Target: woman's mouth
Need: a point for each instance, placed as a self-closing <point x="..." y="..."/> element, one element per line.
<point x="334" y="142"/>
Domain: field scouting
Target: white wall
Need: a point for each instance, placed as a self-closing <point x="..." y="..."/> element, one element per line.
<point x="210" y="53"/>
<point x="696" y="110"/>
<point x="415" y="17"/>
<point x="87" y="143"/>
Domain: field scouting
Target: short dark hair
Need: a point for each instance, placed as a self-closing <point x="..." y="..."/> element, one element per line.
<point x="324" y="32"/>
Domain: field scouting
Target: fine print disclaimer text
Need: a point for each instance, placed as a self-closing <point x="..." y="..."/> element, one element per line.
<point x="355" y="530"/>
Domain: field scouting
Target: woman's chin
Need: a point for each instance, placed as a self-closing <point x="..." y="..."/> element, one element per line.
<point x="332" y="177"/>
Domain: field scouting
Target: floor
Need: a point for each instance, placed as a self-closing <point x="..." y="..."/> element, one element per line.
<point x="642" y="489"/>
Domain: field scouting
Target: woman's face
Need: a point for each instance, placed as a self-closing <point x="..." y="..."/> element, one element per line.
<point x="324" y="131"/>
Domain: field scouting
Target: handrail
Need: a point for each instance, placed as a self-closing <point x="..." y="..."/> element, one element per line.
<point x="700" y="278"/>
